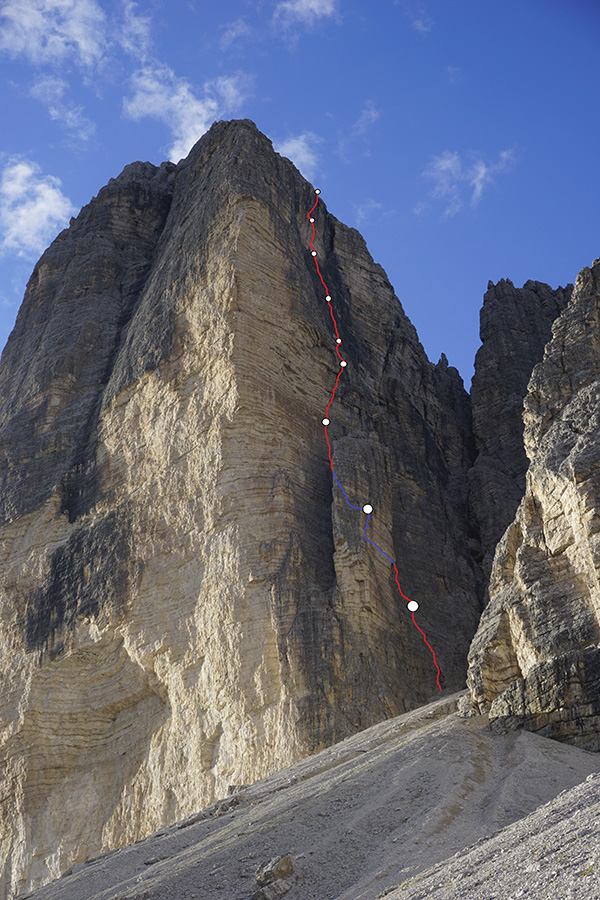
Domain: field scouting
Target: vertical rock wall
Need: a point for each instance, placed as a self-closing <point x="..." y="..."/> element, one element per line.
<point x="59" y="357"/>
<point x="515" y="327"/>
<point x="75" y="711"/>
<point x="535" y="660"/>
<point x="186" y="600"/>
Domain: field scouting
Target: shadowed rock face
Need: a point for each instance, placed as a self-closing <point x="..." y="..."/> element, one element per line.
<point x="515" y="326"/>
<point x="60" y="355"/>
<point x="188" y="595"/>
<point x="535" y="659"/>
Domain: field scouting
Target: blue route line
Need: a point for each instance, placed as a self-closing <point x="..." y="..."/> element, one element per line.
<point x="344" y="493"/>
<point x="351" y="505"/>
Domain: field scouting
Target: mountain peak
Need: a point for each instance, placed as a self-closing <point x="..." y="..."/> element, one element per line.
<point x="226" y="464"/>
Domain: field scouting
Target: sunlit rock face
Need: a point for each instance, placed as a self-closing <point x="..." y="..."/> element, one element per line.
<point x="535" y="660"/>
<point x="186" y="599"/>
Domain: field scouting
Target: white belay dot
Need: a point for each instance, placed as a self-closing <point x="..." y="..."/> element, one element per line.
<point x="412" y="605"/>
<point x="367" y="508"/>
<point x="325" y="421"/>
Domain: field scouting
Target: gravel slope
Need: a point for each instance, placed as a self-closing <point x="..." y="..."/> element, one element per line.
<point x="552" y="853"/>
<point x="372" y="815"/>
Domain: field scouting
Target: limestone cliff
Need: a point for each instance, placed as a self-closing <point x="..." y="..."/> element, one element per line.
<point x="535" y="660"/>
<point x="515" y="326"/>
<point x="60" y="355"/>
<point x="186" y="599"/>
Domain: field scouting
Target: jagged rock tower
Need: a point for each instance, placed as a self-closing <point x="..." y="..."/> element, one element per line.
<point x="535" y="660"/>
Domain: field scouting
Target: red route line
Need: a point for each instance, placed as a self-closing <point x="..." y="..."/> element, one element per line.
<point x="337" y="350"/>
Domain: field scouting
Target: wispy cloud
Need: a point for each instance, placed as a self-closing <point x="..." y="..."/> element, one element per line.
<point x="134" y="33"/>
<point x="366" y="210"/>
<point x="8" y="304"/>
<point x="355" y="142"/>
<point x="32" y="208"/>
<point x="456" y="181"/>
<point x="305" y="12"/>
<point x="47" y="32"/>
<point x="301" y="149"/>
<point x="423" y="23"/>
<point x="368" y="116"/>
<point x="56" y="35"/>
<point x="158" y="93"/>
<point x="420" y="19"/>
<point x="233" y="31"/>
<point x="51" y="91"/>
<point x="53" y="31"/>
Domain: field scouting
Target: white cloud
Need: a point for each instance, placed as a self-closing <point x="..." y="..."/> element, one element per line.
<point x="32" y="208"/>
<point x="307" y="12"/>
<point x="367" y="117"/>
<point x="159" y="94"/>
<point x="58" y="31"/>
<point x="134" y="34"/>
<point x="365" y="210"/>
<point x="301" y="150"/>
<point x="229" y="90"/>
<point x="445" y="171"/>
<point x="233" y="31"/>
<point x="53" y="30"/>
<point x="355" y="143"/>
<point x="423" y="23"/>
<point x="455" y="180"/>
<point x="419" y="17"/>
<point x="51" y="91"/>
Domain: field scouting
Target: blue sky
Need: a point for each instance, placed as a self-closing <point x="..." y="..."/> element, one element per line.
<point x="459" y="136"/>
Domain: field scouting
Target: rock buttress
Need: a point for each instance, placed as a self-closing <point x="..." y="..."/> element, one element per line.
<point x="535" y="660"/>
<point x="515" y="325"/>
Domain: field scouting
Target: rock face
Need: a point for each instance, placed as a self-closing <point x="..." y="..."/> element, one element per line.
<point x="187" y="602"/>
<point x="515" y="326"/>
<point x="535" y="660"/>
<point x="60" y="355"/>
